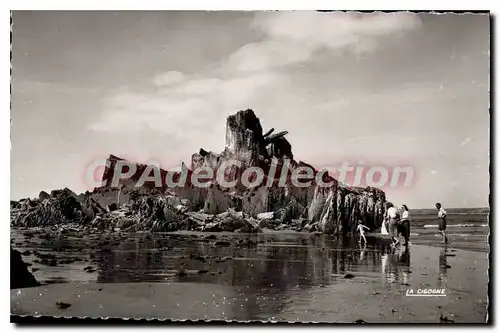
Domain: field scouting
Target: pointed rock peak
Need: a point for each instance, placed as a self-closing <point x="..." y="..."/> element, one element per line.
<point x="115" y="158"/>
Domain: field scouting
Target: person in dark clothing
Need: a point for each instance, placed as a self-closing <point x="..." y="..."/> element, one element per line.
<point x="404" y="224"/>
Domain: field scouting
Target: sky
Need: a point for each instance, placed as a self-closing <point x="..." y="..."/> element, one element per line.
<point x="399" y="89"/>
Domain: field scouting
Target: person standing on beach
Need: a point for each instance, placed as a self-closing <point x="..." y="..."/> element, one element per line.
<point x="392" y="216"/>
<point x="442" y="221"/>
<point x="404" y="225"/>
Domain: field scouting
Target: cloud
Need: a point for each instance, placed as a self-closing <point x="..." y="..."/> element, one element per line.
<point x="268" y="54"/>
<point x="197" y="101"/>
<point x="288" y="39"/>
<point x="314" y="31"/>
<point x="293" y="37"/>
<point x="167" y="78"/>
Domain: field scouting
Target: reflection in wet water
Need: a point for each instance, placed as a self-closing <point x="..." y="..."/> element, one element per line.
<point x="274" y="276"/>
<point x="275" y="261"/>
<point x="443" y="267"/>
<point x="265" y="275"/>
<point x="264" y="270"/>
<point x="396" y="265"/>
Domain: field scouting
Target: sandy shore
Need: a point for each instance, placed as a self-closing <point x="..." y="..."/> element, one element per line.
<point x="371" y="296"/>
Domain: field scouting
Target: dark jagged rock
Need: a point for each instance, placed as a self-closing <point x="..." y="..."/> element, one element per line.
<point x="244" y="135"/>
<point x="280" y="147"/>
<point x="149" y="212"/>
<point x="61" y="207"/>
<point x="161" y="207"/>
<point x="26" y="204"/>
<point x="43" y="195"/>
<point x="217" y="201"/>
<point x="112" y="207"/>
<point x="203" y="152"/>
<point x="20" y="277"/>
<point x="338" y="209"/>
<point x="276" y="136"/>
<point x="333" y="210"/>
<point x="292" y="210"/>
<point x="268" y="133"/>
<point x="63" y="305"/>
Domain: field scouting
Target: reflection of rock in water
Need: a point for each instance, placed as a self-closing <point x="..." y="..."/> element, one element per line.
<point x="135" y="260"/>
<point x="316" y="261"/>
<point x="443" y="267"/>
<point x="264" y="277"/>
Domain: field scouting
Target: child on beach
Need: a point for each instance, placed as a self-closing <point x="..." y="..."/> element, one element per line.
<point x="361" y="231"/>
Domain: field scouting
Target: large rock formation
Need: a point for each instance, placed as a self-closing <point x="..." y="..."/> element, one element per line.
<point x="159" y="206"/>
<point x="61" y="206"/>
<point x="334" y="209"/>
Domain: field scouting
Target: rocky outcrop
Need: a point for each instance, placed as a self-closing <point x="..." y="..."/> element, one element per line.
<point x="244" y="137"/>
<point x="233" y="222"/>
<point x="124" y="205"/>
<point x="334" y="209"/>
<point x="337" y="210"/>
<point x="218" y="201"/>
<point x="43" y="195"/>
<point x="61" y="206"/>
<point x="20" y="277"/>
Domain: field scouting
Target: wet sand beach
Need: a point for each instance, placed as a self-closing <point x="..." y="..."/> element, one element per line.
<point x="277" y="276"/>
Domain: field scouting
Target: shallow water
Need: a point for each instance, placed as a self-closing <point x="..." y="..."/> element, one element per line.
<point x="276" y="260"/>
<point x="282" y="276"/>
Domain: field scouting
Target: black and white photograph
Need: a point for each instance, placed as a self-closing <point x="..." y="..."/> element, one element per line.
<point x="306" y="166"/>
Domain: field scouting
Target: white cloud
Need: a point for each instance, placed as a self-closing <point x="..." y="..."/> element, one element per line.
<point x="312" y="31"/>
<point x="168" y="78"/>
<point x="290" y="38"/>
<point x="268" y="54"/>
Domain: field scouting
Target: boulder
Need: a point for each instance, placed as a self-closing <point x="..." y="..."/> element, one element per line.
<point x="216" y="201"/>
<point x="292" y="210"/>
<point x="200" y="217"/>
<point x="20" y="277"/>
<point x="61" y="207"/>
<point x="43" y="195"/>
<point x="112" y="207"/>
<point x="232" y="221"/>
<point x="265" y="216"/>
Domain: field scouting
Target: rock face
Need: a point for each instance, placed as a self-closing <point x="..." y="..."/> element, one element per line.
<point x="337" y="210"/>
<point x="164" y="206"/>
<point x="244" y="137"/>
<point x="20" y="277"/>
<point x="334" y="209"/>
<point x="61" y="206"/>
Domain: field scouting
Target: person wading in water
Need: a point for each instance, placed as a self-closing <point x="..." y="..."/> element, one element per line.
<point x="392" y="216"/>
<point x="442" y="221"/>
